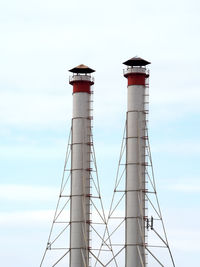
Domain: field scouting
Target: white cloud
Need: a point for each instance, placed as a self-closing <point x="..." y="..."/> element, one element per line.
<point x="182" y="147"/>
<point x="24" y="151"/>
<point x="176" y="96"/>
<point x="183" y="186"/>
<point x="22" y="218"/>
<point x="186" y="240"/>
<point x="30" y="109"/>
<point x="16" y="192"/>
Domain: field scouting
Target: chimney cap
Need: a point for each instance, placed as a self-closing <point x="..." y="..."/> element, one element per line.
<point x="136" y="61"/>
<point x="82" y="69"/>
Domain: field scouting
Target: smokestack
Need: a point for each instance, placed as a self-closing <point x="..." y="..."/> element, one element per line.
<point x="136" y="75"/>
<point x="80" y="166"/>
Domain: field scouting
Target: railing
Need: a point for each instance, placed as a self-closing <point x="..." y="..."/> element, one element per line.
<point x="135" y="70"/>
<point x="81" y="78"/>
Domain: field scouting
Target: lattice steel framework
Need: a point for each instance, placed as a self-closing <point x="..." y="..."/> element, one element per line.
<point x="152" y="246"/>
<point x="60" y="244"/>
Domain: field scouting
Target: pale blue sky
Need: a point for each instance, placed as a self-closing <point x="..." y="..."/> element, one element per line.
<point x="40" y="41"/>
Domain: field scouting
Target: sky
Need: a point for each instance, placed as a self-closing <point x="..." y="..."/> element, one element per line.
<point x="40" y="41"/>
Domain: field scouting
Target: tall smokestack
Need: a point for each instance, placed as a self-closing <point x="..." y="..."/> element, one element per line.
<point x="136" y="75"/>
<point x="80" y="166"/>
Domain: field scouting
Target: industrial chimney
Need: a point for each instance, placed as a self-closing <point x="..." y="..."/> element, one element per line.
<point x="80" y="166"/>
<point x="136" y="75"/>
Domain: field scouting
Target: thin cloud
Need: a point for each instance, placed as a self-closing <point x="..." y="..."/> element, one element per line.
<point x="24" y="151"/>
<point x="16" y="192"/>
<point x="30" y="109"/>
<point x="24" y="217"/>
<point x="192" y="187"/>
<point x="182" y="185"/>
<point x="183" y="147"/>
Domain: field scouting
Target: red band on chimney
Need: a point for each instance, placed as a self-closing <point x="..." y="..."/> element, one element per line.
<point x="81" y="86"/>
<point x="136" y="79"/>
